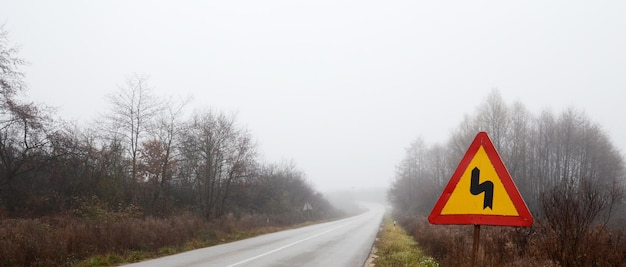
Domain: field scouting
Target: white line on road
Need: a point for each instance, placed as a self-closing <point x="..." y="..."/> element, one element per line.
<point x="285" y="246"/>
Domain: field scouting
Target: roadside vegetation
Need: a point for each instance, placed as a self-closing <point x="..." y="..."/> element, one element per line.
<point x="567" y="170"/>
<point x="120" y="237"/>
<point x="148" y="177"/>
<point x="394" y="247"/>
<point x="102" y="237"/>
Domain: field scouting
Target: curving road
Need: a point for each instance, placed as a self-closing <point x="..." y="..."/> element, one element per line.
<point x="344" y="242"/>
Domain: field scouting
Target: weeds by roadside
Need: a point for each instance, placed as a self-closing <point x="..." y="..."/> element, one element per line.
<point x="513" y="246"/>
<point x="113" y="239"/>
<point x="395" y="248"/>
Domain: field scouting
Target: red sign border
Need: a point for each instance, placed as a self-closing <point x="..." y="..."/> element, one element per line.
<point x="523" y="219"/>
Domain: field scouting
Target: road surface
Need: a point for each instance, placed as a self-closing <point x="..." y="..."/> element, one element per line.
<point x="344" y="242"/>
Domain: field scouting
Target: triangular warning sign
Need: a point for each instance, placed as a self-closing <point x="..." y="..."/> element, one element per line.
<point x="481" y="191"/>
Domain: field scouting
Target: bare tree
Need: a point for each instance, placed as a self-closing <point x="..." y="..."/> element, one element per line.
<point x="216" y="154"/>
<point x="133" y="109"/>
<point x="417" y="177"/>
<point x="493" y="117"/>
<point x="159" y="157"/>
<point x="516" y="150"/>
<point x="11" y="79"/>
<point x="23" y="126"/>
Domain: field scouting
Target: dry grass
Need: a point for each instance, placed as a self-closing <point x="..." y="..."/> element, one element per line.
<point x="65" y="240"/>
<point x="395" y="248"/>
<point x="115" y="238"/>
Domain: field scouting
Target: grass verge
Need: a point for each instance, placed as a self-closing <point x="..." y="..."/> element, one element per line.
<point x="395" y="248"/>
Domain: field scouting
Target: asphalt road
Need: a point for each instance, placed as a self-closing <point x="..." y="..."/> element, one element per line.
<point x="344" y="242"/>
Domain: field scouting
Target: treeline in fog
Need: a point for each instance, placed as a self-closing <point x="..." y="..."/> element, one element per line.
<point x="148" y="178"/>
<point x="567" y="170"/>
<point x="143" y="152"/>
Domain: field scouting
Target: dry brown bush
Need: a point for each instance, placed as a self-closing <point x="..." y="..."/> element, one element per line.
<point x="451" y="245"/>
<point x="62" y="240"/>
<point x="598" y="246"/>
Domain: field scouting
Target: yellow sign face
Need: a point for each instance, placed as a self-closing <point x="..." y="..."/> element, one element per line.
<point x="480" y="191"/>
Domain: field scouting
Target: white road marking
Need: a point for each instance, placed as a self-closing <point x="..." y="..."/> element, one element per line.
<point x="285" y="246"/>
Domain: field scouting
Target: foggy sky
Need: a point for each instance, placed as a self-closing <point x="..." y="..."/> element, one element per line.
<point x="339" y="87"/>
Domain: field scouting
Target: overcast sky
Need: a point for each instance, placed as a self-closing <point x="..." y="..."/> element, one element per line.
<point x="339" y="87"/>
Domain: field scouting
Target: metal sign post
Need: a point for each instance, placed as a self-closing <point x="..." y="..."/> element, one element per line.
<point x="476" y="244"/>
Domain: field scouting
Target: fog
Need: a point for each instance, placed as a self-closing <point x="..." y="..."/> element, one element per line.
<point x="339" y="87"/>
